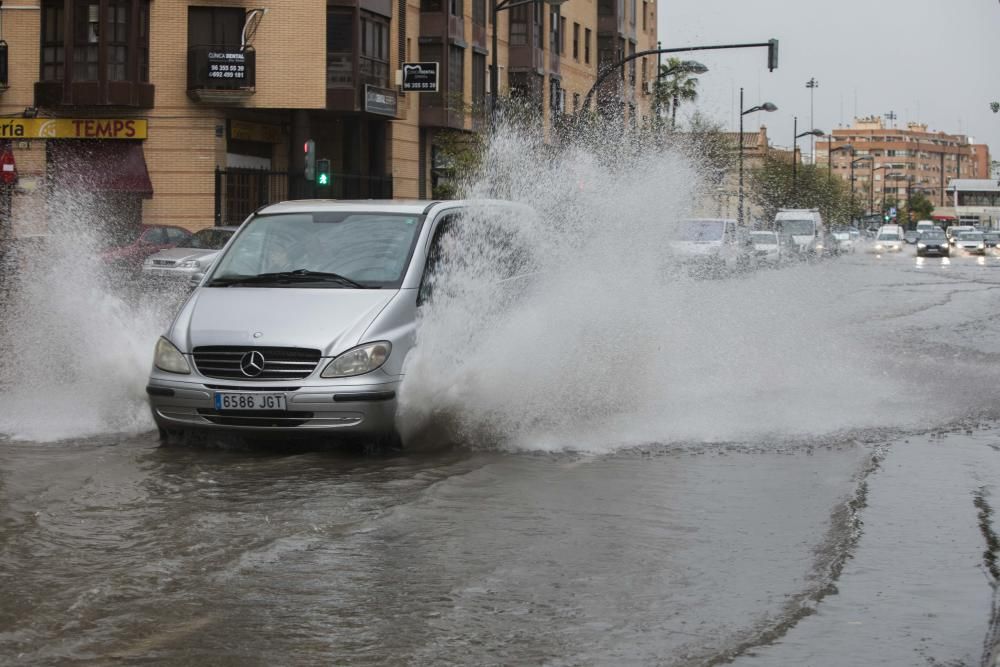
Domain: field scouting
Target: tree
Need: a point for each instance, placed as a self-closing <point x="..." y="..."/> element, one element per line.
<point x="770" y="188"/>
<point x="673" y="86"/>
<point x="918" y="208"/>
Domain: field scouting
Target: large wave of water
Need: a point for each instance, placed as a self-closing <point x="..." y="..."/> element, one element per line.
<point x="77" y="343"/>
<point x="603" y="345"/>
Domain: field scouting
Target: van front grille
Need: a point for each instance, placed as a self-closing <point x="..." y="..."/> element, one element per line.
<point x="255" y="363"/>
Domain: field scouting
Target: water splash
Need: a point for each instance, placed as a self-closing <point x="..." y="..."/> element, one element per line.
<point x="604" y="344"/>
<point x="77" y="342"/>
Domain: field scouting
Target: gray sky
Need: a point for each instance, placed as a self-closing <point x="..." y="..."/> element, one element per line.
<point x="932" y="61"/>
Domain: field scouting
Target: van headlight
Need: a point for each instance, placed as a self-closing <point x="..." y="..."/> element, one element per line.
<point x="188" y="264"/>
<point x="358" y="361"/>
<point x="168" y="358"/>
<point x="921" y="245"/>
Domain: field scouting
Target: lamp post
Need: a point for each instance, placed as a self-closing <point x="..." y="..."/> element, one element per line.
<point x="795" y="162"/>
<point x="829" y="155"/>
<point x="766" y="106"/>
<point x="494" y="73"/>
<point x="871" y="200"/>
<point x="854" y="162"/>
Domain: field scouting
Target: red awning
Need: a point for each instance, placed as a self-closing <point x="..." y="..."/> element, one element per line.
<point x="101" y="166"/>
<point x="944" y="218"/>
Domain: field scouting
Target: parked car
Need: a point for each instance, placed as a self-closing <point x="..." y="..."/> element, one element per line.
<point x="140" y="243"/>
<point x="304" y="322"/>
<point x="971" y="243"/>
<point x="766" y="247"/>
<point x="189" y="258"/>
<point x="933" y="242"/>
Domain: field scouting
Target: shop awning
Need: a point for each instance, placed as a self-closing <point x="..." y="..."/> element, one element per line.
<point x="102" y="166"/>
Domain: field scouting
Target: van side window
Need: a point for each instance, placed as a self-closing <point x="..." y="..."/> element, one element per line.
<point x="445" y="226"/>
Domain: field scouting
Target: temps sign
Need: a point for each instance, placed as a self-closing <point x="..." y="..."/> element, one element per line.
<point x="420" y="77"/>
<point x="73" y="128"/>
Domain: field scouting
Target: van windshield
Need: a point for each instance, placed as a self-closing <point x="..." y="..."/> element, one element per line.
<point x="320" y="249"/>
<point x="797" y="227"/>
<point x="700" y="230"/>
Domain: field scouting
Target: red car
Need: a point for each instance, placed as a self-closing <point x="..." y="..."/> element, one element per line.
<point x="145" y="240"/>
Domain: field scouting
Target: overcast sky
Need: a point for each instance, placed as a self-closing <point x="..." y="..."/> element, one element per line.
<point x="932" y="61"/>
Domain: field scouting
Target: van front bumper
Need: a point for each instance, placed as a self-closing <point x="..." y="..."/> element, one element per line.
<point x="318" y="407"/>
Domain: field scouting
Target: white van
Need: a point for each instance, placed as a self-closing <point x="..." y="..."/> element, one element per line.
<point x="800" y="229"/>
<point x="712" y="243"/>
<point x="889" y="239"/>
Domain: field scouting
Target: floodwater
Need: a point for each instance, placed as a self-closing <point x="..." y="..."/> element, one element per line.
<point x="618" y="466"/>
<point x="866" y="544"/>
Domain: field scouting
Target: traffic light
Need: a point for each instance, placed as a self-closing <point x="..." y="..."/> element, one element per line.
<point x="309" y="148"/>
<point x="323" y="172"/>
<point x="772" y="55"/>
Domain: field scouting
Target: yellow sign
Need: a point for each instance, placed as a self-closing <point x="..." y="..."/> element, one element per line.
<point x="72" y="128"/>
<point x="244" y="131"/>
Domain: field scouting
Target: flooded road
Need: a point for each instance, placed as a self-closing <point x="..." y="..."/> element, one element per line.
<point x="828" y="522"/>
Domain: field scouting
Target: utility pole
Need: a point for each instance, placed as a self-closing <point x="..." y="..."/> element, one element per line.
<point x="891" y="117"/>
<point x="812" y="84"/>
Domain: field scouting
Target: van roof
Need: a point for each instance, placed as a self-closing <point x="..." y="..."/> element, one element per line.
<point x="404" y="206"/>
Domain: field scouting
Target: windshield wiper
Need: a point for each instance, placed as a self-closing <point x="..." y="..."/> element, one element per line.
<point x="296" y="276"/>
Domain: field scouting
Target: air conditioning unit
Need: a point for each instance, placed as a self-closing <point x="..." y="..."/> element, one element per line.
<point x="648" y="87"/>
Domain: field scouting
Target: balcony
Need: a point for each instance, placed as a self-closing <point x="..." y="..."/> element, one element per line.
<point x="346" y="88"/>
<point x="221" y="74"/>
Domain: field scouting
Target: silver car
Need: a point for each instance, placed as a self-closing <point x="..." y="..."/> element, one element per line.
<point x="304" y="323"/>
<point x="190" y="258"/>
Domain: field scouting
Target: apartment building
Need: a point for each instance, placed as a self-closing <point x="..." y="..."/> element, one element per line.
<point x="195" y="112"/>
<point x="903" y="160"/>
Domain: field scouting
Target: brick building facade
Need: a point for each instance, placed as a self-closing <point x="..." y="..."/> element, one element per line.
<point x="221" y="95"/>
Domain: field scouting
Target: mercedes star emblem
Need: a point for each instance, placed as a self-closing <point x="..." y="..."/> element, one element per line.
<point x="252" y="364"/>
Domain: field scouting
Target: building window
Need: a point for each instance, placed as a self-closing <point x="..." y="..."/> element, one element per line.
<point x="555" y="97"/>
<point x="456" y="7"/>
<point x="479" y="81"/>
<point x="142" y="45"/>
<point x="86" y="37"/>
<point x="339" y="48"/>
<point x="645" y="12"/>
<point x="429" y="6"/>
<point x="117" y="38"/>
<point x="539" y="20"/>
<point x="519" y="25"/>
<point x="586" y="46"/>
<point x="606" y="7"/>
<point x="479" y="12"/>
<point x="576" y="41"/>
<point x="554" y="40"/>
<point x="562" y="36"/>
<point x="215" y="26"/>
<point x="53" y="39"/>
<point x="374" y="50"/>
<point x="527" y="88"/>
<point x="632" y="12"/>
<point x="576" y="102"/>
<point x="456" y="70"/>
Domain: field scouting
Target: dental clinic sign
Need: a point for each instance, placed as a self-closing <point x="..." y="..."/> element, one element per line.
<point x="73" y="128"/>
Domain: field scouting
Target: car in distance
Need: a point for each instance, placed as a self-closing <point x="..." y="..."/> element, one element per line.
<point x="934" y="243"/>
<point x="844" y="241"/>
<point x="925" y="225"/>
<point x="190" y="257"/>
<point x="888" y="239"/>
<point x="911" y="236"/>
<point x="303" y="324"/>
<point x="955" y="230"/>
<point x="992" y="240"/>
<point x="971" y="243"/>
<point x="766" y="246"/>
<point x="128" y="252"/>
<point x="710" y="246"/>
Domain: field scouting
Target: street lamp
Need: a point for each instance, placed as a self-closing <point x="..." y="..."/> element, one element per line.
<point x="829" y="154"/>
<point x="795" y="162"/>
<point x="766" y="106"/>
<point x="494" y="73"/>
<point x="871" y="199"/>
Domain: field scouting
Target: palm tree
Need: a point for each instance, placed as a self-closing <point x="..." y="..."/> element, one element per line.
<point x="674" y="85"/>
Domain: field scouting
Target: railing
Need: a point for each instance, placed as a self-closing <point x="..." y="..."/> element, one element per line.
<point x="221" y="68"/>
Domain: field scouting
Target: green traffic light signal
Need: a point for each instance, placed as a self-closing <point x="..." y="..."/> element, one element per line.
<point x="323" y="172"/>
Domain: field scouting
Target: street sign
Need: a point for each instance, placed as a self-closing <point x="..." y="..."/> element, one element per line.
<point x="892" y="211"/>
<point x="420" y="77"/>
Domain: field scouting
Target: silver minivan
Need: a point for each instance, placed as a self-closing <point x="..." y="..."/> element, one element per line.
<point x="303" y="324"/>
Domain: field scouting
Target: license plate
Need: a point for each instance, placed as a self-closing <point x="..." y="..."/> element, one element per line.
<point x="248" y="401"/>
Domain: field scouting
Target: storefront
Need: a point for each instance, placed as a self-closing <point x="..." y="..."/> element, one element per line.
<point x="97" y="162"/>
